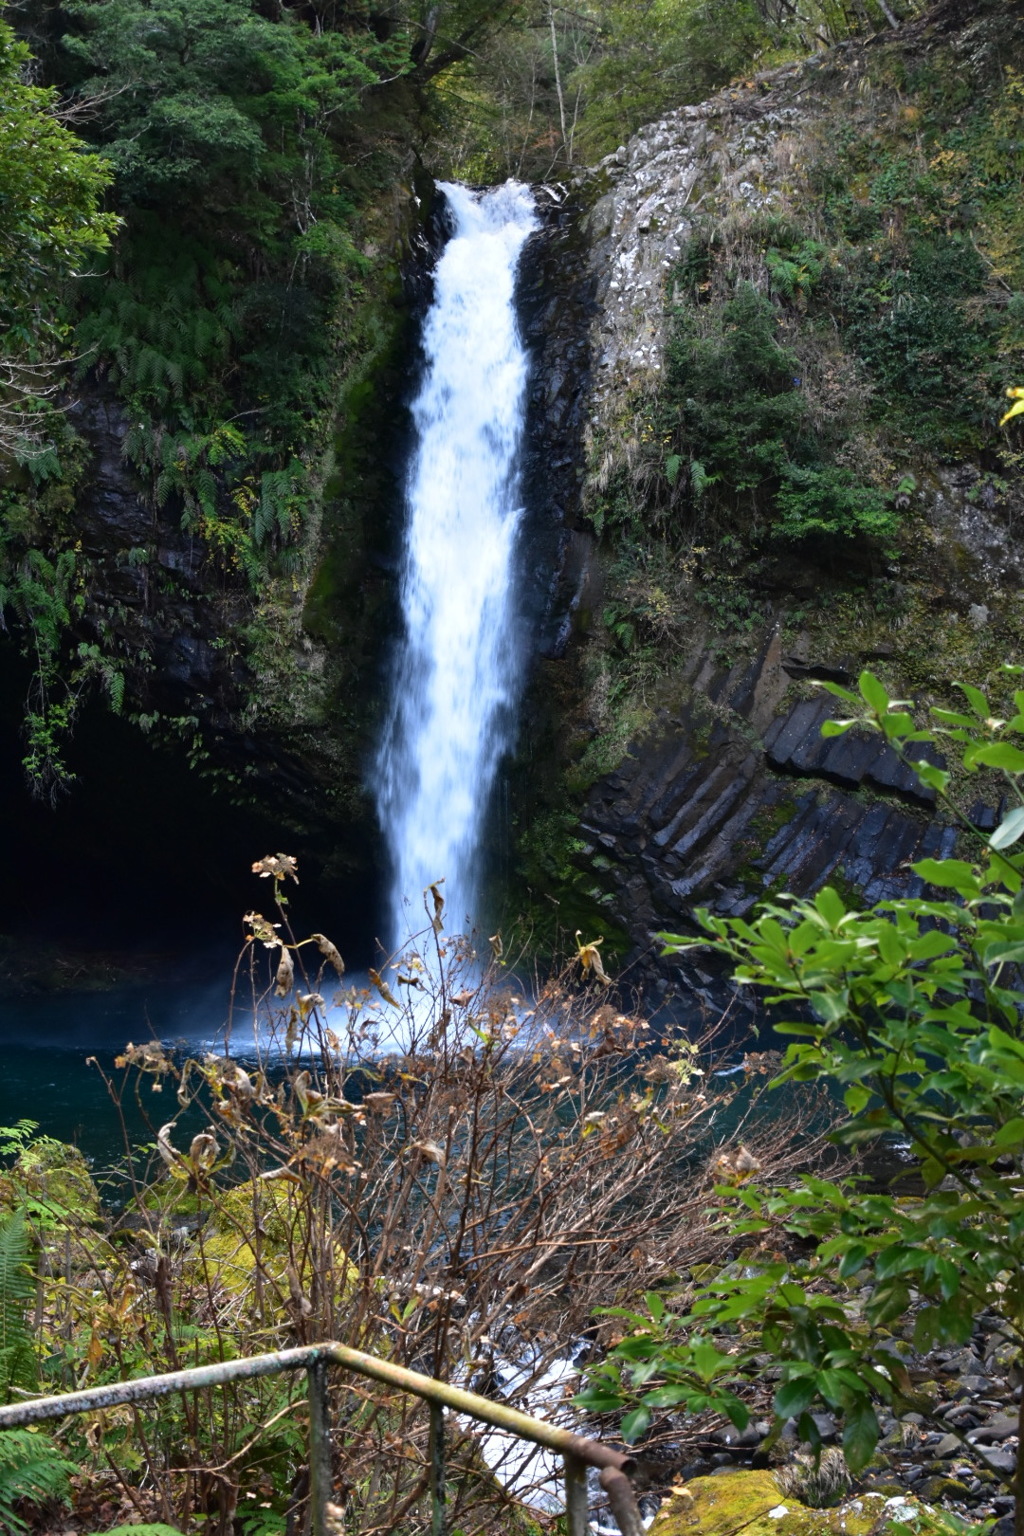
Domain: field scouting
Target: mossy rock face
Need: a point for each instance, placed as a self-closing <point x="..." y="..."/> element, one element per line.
<point x="259" y="1224"/>
<point x="55" y="1175"/>
<point x="753" y="1503"/>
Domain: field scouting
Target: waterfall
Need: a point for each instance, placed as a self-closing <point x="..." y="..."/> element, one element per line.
<point x="456" y="679"/>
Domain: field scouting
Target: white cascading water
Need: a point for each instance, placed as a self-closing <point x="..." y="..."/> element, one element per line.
<point x="456" y="680"/>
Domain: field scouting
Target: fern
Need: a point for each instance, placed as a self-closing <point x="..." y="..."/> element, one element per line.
<point x="17" y="1288"/>
<point x="31" y="1469"/>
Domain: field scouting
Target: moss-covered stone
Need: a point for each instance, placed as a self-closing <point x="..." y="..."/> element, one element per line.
<point x="753" y="1503"/>
<point x="55" y="1179"/>
<point x="259" y="1227"/>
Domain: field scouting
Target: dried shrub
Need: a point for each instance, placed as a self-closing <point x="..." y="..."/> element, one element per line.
<point x="442" y="1168"/>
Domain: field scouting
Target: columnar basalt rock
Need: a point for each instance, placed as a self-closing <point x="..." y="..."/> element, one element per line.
<point x="710" y="808"/>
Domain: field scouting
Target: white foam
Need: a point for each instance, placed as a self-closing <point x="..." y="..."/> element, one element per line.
<point x="457" y="677"/>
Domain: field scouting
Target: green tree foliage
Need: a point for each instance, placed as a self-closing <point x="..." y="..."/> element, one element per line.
<point x="742" y="432"/>
<point x="240" y="145"/>
<point x="207" y="99"/>
<point x="226" y="132"/>
<point x="660" y="54"/>
<point x="51" y="227"/>
<point x="563" y="83"/>
<point x="50" y="222"/>
<point x="914" y="1011"/>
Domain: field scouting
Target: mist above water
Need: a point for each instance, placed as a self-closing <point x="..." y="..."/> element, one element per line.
<point x="457" y="676"/>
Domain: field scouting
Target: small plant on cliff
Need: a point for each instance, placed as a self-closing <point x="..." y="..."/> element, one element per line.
<point x="744" y="439"/>
<point x="915" y="1011"/>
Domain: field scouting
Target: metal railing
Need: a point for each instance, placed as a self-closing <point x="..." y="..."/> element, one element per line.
<point x="577" y="1452"/>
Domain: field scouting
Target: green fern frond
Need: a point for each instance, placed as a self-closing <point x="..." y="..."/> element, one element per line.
<point x="31" y="1470"/>
<point x="206" y="491"/>
<point x="17" y="1289"/>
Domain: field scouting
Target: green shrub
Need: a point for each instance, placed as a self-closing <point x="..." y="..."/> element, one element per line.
<point x="906" y="319"/>
<point x="827" y="503"/>
<point x="742" y="425"/>
<point x="732" y="389"/>
<point x="912" y="1011"/>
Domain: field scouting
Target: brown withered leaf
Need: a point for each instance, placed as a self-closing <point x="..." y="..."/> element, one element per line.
<point x="280" y="865"/>
<point x="755" y="1062"/>
<point x="310" y="1099"/>
<point x="378" y="1103"/>
<point x="329" y="952"/>
<point x="383" y="988"/>
<point x="429" y="1151"/>
<point x="590" y="959"/>
<point x="435" y="921"/>
<point x="326" y="1153"/>
<point x="737" y="1165"/>
<point x="148" y="1057"/>
<point x="226" y="1074"/>
<point x="285" y="978"/>
<point x="282" y="1173"/>
<point x="166" y="1148"/>
<point x="202" y="1154"/>
<point x="462" y="998"/>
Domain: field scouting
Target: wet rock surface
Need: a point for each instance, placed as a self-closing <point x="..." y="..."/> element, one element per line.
<point x="153" y="598"/>
<point x="957" y="1451"/>
<point x="157" y="602"/>
<point x="727" y="800"/>
<point x="555" y="301"/>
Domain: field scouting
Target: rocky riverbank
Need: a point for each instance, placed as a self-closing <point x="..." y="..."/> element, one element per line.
<point x="955" y="1450"/>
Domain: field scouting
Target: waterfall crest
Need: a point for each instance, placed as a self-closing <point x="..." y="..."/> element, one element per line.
<point x="457" y="675"/>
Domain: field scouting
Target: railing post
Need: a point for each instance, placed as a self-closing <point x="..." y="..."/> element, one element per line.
<point x="319" y="1448"/>
<point x="436" y="1454"/>
<point x="577" y="1512"/>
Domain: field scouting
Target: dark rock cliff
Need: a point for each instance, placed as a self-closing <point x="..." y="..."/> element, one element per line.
<point x="730" y="800"/>
<point x="673" y="757"/>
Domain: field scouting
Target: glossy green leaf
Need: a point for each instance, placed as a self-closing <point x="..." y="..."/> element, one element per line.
<point x="794" y="1397"/>
<point x="1009" y="830"/>
<point x="976" y="699"/>
<point x="997" y="754"/>
<point x="873" y="693"/>
<point x="860" y="1436"/>
<point x="636" y="1424"/>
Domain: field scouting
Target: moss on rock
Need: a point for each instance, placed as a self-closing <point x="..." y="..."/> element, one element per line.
<point x="260" y="1227"/>
<point x="753" y="1503"/>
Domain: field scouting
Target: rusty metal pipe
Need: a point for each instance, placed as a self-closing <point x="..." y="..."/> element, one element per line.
<point x="621" y="1498"/>
<point x="614" y="1465"/>
<point x="473" y="1406"/>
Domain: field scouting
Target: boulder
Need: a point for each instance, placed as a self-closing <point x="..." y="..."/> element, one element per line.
<point x="753" y="1503"/>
